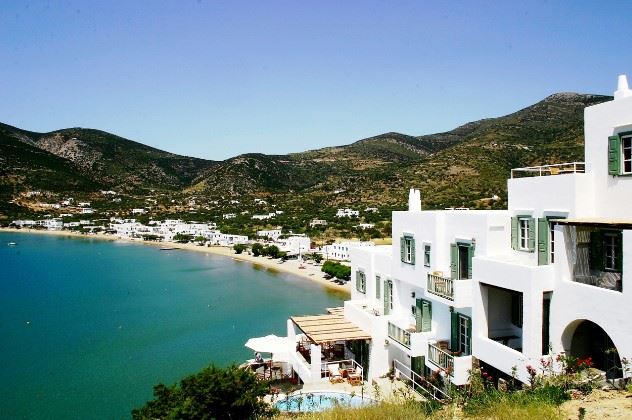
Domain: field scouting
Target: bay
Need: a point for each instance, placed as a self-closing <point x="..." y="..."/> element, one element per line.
<point x="87" y="327"/>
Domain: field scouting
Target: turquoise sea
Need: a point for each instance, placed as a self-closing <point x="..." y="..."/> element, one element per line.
<point x="87" y="327"/>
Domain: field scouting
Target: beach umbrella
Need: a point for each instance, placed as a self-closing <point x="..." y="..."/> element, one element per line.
<point x="269" y="344"/>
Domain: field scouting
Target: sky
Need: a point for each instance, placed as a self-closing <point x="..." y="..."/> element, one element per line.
<point x="214" y="79"/>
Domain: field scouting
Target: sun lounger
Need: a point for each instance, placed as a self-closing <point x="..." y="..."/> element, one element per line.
<point x="355" y="378"/>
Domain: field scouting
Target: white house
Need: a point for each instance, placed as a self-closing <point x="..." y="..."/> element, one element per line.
<point x="263" y="216"/>
<point x="229" y="216"/>
<point x="139" y="211"/>
<point x="317" y="222"/>
<point x="295" y="244"/>
<point x="340" y="250"/>
<point x="347" y="213"/>
<point x="502" y="289"/>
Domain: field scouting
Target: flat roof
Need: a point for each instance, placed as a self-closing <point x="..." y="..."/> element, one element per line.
<point x="596" y="222"/>
<point x="329" y="327"/>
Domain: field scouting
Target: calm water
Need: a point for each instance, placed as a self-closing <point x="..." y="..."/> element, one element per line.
<point x="110" y="320"/>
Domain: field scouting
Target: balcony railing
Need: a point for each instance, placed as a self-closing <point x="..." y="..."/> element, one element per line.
<point x="441" y="286"/>
<point x="441" y="358"/>
<point x="547" y="170"/>
<point x="399" y="334"/>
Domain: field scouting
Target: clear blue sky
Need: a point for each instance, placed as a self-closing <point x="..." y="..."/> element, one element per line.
<point x="214" y="79"/>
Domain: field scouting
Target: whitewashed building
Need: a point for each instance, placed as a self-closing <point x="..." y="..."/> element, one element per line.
<point x="502" y="289"/>
<point x="272" y="234"/>
<point x="347" y="213"/>
<point x="340" y="250"/>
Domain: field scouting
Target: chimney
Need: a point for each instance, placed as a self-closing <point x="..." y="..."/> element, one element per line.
<point x="623" y="91"/>
<point x="414" y="200"/>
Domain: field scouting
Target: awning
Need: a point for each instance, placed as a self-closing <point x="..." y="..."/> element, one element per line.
<point x="331" y="327"/>
<point x="596" y="222"/>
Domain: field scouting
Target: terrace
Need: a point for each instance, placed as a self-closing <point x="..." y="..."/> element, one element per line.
<point x="549" y="170"/>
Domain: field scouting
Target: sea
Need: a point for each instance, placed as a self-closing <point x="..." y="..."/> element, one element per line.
<point x="88" y="327"/>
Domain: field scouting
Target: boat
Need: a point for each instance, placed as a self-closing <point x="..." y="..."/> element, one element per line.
<point x="11" y="244"/>
<point x="168" y="249"/>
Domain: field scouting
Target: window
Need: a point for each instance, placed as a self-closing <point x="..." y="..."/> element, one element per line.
<point x="378" y="285"/>
<point x="461" y="260"/>
<point x="610" y="251"/>
<point x="464" y="335"/>
<point x="426" y="255"/>
<point x="626" y="145"/>
<point x="390" y="294"/>
<point x="523" y="238"/>
<point x="407" y="249"/>
<point x="360" y="281"/>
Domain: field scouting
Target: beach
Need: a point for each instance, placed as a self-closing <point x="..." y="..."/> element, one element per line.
<point x="309" y="271"/>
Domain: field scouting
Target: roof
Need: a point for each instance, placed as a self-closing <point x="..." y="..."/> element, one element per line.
<point x="329" y="327"/>
<point x="596" y="222"/>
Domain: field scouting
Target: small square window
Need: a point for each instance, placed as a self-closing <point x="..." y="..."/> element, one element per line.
<point x="426" y="255"/>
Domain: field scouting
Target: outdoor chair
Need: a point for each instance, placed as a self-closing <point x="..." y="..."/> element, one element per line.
<point x="355" y="378"/>
<point x="334" y="373"/>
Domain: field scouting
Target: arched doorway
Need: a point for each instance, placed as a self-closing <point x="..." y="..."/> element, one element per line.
<point x="590" y="340"/>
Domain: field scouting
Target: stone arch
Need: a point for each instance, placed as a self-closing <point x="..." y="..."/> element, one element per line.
<point x="583" y="338"/>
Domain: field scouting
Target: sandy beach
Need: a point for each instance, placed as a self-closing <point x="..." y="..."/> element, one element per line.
<point x="309" y="271"/>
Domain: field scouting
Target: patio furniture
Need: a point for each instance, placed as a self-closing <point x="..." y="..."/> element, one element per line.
<point x="334" y="373"/>
<point x="355" y="377"/>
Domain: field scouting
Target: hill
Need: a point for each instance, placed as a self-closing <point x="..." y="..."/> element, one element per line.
<point x="462" y="167"/>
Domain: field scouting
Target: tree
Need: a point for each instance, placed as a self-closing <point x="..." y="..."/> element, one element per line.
<point x="182" y="238"/>
<point x="272" y="251"/>
<point x="239" y="248"/>
<point x="318" y="258"/>
<point x="337" y="270"/>
<point x="257" y="249"/>
<point x="213" y="393"/>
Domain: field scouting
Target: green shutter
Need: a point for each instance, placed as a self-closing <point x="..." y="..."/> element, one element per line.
<point x="614" y="155"/>
<point x="531" y="234"/>
<point x="454" y="331"/>
<point x="470" y="255"/>
<point x="596" y="251"/>
<point x="412" y="251"/>
<point x="469" y="334"/>
<point x="378" y="284"/>
<point x="418" y="315"/>
<point x="514" y="233"/>
<point x="543" y="241"/>
<point x="454" y="260"/>
<point x="358" y="280"/>
<point x="387" y="302"/>
<point x="426" y="316"/>
<point x="402" y="248"/>
<point x="417" y="365"/>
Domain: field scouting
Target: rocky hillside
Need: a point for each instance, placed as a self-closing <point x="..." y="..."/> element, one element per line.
<point x="462" y="167"/>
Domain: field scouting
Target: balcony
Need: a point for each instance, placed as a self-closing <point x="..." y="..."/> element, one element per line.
<point x="400" y="335"/>
<point x="457" y="367"/>
<point x="548" y="170"/>
<point x="457" y="293"/>
<point x="441" y="286"/>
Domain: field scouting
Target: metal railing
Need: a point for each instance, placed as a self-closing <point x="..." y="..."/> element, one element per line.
<point x="441" y="286"/>
<point x="547" y="170"/>
<point x="399" y="334"/>
<point x="418" y="383"/>
<point x="441" y="358"/>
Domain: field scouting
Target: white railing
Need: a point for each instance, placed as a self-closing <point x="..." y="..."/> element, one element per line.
<point x="419" y="383"/>
<point x="324" y="367"/>
<point x="547" y="170"/>
<point x="399" y="334"/>
<point x="441" y="358"/>
<point x="441" y="286"/>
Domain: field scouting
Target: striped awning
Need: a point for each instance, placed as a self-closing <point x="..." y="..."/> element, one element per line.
<point x="330" y="327"/>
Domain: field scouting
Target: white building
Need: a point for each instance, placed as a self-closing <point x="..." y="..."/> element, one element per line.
<point x="317" y="222"/>
<point x="340" y="250"/>
<point x="347" y="213"/>
<point x="229" y="216"/>
<point x="86" y="210"/>
<point x="139" y="211"/>
<point x="502" y="289"/>
<point x="365" y="226"/>
<point x="295" y="244"/>
<point x="272" y="234"/>
<point x="263" y="216"/>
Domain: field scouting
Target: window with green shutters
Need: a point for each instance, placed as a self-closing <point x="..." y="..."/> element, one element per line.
<point x="620" y="154"/>
<point x="360" y="281"/>
<point x="461" y="333"/>
<point x="523" y="233"/>
<point x="461" y="260"/>
<point x="423" y="315"/>
<point x="378" y="286"/>
<point x="407" y="249"/>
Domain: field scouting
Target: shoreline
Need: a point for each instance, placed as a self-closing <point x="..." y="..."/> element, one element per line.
<point x="310" y="272"/>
